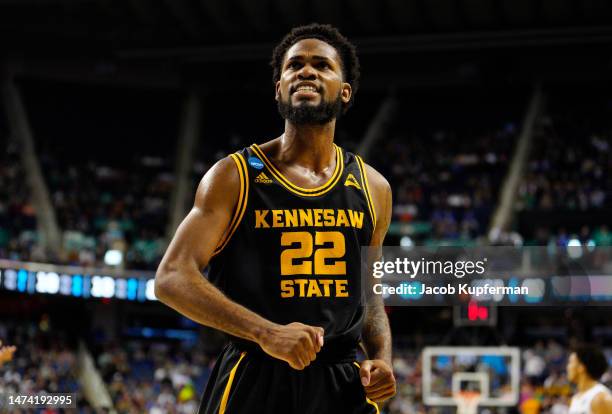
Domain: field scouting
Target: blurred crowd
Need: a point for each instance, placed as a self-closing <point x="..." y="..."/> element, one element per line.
<point x="18" y="236"/>
<point x="43" y="362"/>
<point x="544" y="386"/>
<point x="163" y="378"/>
<point x="568" y="175"/>
<point x="168" y="376"/>
<point x="154" y="377"/>
<point x="100" y="208"/>
<point x="569" y="168"/>
<point x="600" y="236"/>
<point x="103" y="207"/>
<point x="445" y="182"/>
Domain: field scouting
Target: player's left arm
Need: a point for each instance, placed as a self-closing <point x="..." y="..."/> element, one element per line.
<point x="602" y="404"/>
<point x="376" y="372"/>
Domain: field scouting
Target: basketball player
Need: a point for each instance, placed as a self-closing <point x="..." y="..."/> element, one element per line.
<point x="585" y="367"/>
<point x="280" y="226"/>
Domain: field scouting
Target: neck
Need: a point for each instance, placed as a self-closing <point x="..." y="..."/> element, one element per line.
<point x="308" y="145"/>
<point x="585" y="383"/>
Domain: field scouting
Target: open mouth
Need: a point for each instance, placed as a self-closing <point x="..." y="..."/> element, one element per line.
<point x="306" y="89"/>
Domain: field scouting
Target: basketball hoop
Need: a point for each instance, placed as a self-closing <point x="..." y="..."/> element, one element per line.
<point x="467" y="402"/>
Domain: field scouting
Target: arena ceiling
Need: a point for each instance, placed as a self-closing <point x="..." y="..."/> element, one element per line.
<point x="235" y="29"/>
<point x="167" y="43"/>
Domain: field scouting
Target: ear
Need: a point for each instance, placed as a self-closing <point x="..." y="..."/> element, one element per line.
<point x="347" y="92"/>
<point x="277" y="91"/>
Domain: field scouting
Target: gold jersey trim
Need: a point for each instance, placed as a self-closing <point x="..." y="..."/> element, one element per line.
<point x="367" y="399"/>
<point x="228" y="387"/>
<point x="366" y="189"/>
<point x="307" y="192"/>
<point x="242" y="201"/>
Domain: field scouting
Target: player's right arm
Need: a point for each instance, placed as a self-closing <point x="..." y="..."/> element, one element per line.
<point x="180" y="284"/>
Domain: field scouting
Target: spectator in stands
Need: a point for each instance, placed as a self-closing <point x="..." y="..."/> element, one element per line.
<point x="6" y="353"/>
<point x="602" y="236"/>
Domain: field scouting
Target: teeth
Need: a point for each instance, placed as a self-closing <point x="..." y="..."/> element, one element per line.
<point x="306" y="88"/>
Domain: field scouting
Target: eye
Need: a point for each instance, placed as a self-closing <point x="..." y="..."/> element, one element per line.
<point x="294" y="64"/>
<point x="323" y="65"/>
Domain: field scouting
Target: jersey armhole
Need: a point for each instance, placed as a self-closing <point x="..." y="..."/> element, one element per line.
<point x="366" y="189"/>
<point x="242" y="202"/>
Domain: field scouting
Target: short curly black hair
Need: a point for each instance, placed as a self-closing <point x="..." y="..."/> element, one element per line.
<point x="330" y="35"/>
<point x="593" y="359"/>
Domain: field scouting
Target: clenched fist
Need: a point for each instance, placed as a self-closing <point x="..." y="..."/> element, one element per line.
<point x="377" y="379"/>
<point x="295" y="343"/>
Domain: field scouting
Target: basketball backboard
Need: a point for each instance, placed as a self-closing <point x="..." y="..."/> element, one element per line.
<point x="492" y="371"/>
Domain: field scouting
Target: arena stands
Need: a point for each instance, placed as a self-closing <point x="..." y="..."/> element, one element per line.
<point x="106" y="199"/>
<point x="446" y="170"/>
<point x="18" y="235"/>
<point x="103" y="207"/>
<point x="154" y="377"/>
<point x="165" y="375"/>
<point x="445" y="173"/>
<point x="105" y="84"/>
<point x="565" y="192"/>
<point x="45" y="362"/>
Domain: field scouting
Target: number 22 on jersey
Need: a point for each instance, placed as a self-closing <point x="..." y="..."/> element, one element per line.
<point x="298" y="259"/>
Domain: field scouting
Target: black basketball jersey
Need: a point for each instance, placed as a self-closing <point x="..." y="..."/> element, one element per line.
<point x="293" y="254"/>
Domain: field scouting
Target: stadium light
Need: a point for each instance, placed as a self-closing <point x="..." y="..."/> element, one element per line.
<point x="113" y="257"/>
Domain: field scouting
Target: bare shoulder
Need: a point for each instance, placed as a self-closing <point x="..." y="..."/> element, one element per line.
<point x="377" y="182"/>
<point x="381" y="191"/>
<point x="602" y="403"/>
<point x="382" y="199"/>
<point x="201" y="230"/>
<point x="220" y="186"/>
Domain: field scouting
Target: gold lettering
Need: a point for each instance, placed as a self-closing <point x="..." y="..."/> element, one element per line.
<point x="342" y="220"/>
<point x="326" y="283"/>
<point x="309" y="218"/>
<point x="302" y="283"/>
<point x="341" y="288"/>
<point x="277" y="218"/>
<point x="305" y="218"/>
<point x="303" y="251"/>
<point x="287" y="290"/>
<point x="328" y="216"/>
<point x="309" y="288"/>
<point x="260" y="219"/>
<point x="313" y="289"/>
<point x="291" y="218"/>
<point x="356" y="218"/>
<point x="336" y="251"/>
<point x="317" y="217"/>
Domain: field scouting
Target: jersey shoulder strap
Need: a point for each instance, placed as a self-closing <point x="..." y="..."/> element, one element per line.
<point x="239" y="159"/>
<point x="356" y="176"/>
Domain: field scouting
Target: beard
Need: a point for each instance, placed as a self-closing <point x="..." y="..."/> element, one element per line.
<point x="305" y="114"/>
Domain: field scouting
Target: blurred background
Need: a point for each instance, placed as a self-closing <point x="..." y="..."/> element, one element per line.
<point x="491" y="119"/>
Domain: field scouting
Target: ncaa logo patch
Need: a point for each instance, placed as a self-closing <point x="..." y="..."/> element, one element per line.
<point x="256" y="163"/>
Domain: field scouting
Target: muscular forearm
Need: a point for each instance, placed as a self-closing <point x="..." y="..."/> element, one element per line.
<point x="376" y="332"/>
<point x="189" y="293"/>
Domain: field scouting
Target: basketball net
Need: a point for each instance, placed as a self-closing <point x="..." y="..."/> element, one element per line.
<point x="467" y="402"/>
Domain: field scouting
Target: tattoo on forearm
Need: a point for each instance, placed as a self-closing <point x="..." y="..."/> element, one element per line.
<point x="376" y="331"/>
